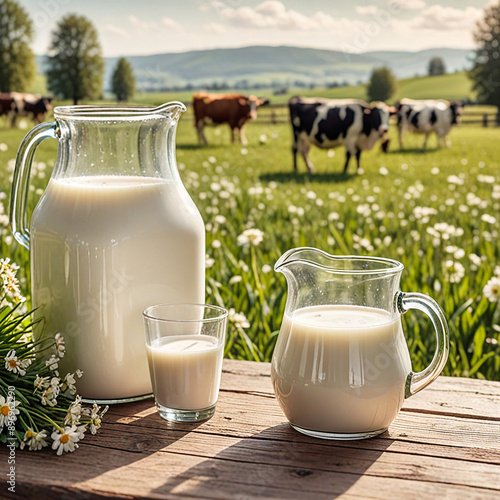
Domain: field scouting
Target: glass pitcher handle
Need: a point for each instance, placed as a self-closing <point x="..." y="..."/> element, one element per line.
<point x="405" y="301"/>
<point x="20" y="183"/>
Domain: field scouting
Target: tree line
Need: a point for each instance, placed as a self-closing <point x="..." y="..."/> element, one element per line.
<point x="75" y="62"/>
<point x="76" y="65"/>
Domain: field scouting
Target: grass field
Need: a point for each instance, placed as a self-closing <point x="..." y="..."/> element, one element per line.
<point x="437" y="211"/>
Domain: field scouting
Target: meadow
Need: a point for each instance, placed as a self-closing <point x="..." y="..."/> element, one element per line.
<point x="438" y="212"/>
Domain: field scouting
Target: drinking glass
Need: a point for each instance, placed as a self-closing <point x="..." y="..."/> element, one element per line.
<point x="185" y="348"/>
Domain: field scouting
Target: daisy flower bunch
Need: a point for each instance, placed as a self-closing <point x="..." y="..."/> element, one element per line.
<point x="39" y="406"/>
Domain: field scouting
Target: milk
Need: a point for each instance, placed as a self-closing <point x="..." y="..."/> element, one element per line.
<point x="186" y="370"/>
<point x="103" y="248"/>
<point x="340" y="368"/>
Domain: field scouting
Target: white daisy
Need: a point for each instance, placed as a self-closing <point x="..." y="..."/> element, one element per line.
<point x="492" y="289"/>
<point x="14" y="365"/>
<point x="239" y="319"/>
<point x="60" y="347"/>
<point x="65" y="441"/>
<point x="8" y="411"/>
<point x="96" y="418"/>
<point x="34" y="440"/>
<point x="250" y="237"/>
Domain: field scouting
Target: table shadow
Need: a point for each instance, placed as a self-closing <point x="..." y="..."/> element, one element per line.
<point x="121" y="441"/>
<point x="279" y="462"/>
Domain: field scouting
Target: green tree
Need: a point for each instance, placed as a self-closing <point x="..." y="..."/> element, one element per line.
<point x="382" y="85"/>
<point x="436" y="66"/>
<point x="76" y="66"/>
<point x="485" y="73"/>
<point x="123" y="80"/>
<point x="17" y="61"/>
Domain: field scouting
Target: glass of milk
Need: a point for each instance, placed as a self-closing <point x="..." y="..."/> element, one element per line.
<point x="185" y="348"/>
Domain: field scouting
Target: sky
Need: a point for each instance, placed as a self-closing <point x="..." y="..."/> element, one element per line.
<point x="132" y="27"/>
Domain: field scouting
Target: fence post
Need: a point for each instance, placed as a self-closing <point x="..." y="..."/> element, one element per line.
<point x="485" y="119"/>
<point x="498" y="117"/>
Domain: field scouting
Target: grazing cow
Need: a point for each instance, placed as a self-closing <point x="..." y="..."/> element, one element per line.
<point x="329" y="123"/>
<point x="424" y="117"/>
<point x="234" y="109"/>
<point x="32" y="106"/>
<point x="8" y="106"/>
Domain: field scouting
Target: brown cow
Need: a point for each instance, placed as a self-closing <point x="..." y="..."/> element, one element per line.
<point x="233" y="109"/>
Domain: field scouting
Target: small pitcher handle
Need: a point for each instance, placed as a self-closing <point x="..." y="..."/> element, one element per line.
<point x="20" y="183"/>
<point x="405" y="301"/>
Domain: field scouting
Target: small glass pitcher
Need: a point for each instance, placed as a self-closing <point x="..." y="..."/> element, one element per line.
<point x="341" y="367"/>
<point x="114" y="232"/>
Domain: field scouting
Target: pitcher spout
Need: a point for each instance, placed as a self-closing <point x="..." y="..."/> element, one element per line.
<point x="304" y="255"/>
<point x="173" y="109"/>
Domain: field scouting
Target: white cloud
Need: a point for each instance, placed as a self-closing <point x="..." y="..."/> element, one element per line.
<point x="215" y="28"/>
<point x="438" y="17"/>
<point x="170" y="23"/>
<point x="367" y="10"/>
<point x="273" y="14"/>
<point x="407" y="4"/>
<point x="137" y="23"/>
<point x="114" y="30"/>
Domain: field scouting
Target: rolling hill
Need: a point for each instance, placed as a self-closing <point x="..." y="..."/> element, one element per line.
<point x="280" y="66"/>
<point x="276" y="66"/>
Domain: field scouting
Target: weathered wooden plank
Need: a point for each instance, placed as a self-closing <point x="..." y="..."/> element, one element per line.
<point x="446" y="395"/>
<point x="319" y="456"/>
<point x="163" y="473"/>
<point x="241" y="414"/>
<point x="247" y="449"/>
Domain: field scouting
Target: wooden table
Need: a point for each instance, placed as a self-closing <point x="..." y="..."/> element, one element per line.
<point x="445" y="444"/>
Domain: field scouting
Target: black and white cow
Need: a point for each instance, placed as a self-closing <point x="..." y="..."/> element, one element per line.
<point x="329" y="123"/>
<point x="424" y="117"/>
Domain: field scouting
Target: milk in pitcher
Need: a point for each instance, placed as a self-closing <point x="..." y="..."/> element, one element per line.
<point x="103" y="249"/>
<point x="340" y="368"/>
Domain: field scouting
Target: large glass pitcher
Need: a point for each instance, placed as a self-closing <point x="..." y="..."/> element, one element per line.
<point x="114" y="232"/>
<point x="341" y="368"/>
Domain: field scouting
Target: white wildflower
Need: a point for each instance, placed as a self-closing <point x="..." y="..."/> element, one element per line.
<point x="66" y="440"/>
<point x="454" y="179"/>
<point x="96" y="418"/>
<point x="60" y="347"/>
<point x="488" y="218"/>
<point x="8" y="411"/>
<point x="239" y="319"/>
<point x="266" y="268"/>
<point x="250" y="237"/>
<point x="209" y="262"/>
<point x="475" y="260"/>
<point x="34" y="440"/>
<point x="52" y="362"/>
<point x="235" y="279"/>
<point x="492" y="289"/>
<point x="454" y="270"/>
<point x="69" y="383"/>
<point x="14" y="365"/>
